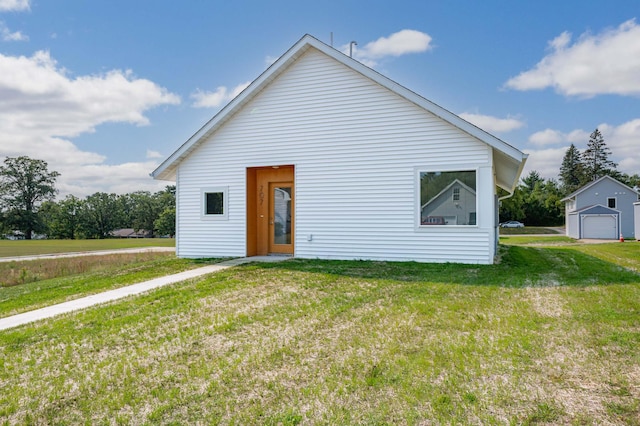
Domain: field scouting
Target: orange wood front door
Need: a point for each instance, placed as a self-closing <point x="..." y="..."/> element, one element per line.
<point x="270" y="210"/>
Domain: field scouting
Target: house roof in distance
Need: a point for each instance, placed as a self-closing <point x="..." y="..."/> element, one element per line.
<point x="589" y="185"/>
<point x="508" y="160"/>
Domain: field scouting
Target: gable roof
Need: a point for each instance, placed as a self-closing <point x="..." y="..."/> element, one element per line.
<point x="447" y="188"/>
<point x="508" y="161"/>
<point x="589" y="185"/>
<point x="595" y="209"/>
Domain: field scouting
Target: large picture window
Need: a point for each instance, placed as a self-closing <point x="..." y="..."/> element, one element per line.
<point x="214" y="203"/>
<point x="448" y="198"/>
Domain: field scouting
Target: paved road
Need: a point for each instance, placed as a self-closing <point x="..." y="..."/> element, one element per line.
<point x="119" y="293"/>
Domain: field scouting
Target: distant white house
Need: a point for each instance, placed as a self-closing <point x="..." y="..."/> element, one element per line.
<point x="323" y="157"/>
<point x="602" y="209"/>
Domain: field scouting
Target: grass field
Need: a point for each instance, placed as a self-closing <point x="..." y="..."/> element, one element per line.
<point x="28" y="285"/>
<point x="540" y="230"/>
<point x="548" y="336"/>
<point x="539" y="240"/>
<point x="10" y="248"/>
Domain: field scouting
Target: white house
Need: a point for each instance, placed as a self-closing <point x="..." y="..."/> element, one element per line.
<point x="323" y="157"/>
<point x="602" y="209"/>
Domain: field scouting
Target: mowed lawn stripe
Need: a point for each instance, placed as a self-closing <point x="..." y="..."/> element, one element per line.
<point x="544" y="337"/>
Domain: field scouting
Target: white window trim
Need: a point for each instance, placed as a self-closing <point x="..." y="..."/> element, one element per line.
<point x="418" y="206"/>
<point x="225" y="203"/>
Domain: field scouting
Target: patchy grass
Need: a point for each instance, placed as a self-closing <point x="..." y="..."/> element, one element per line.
<point x="528" y="230"/>
<point x="34" y="247"/>
<point x="29" y="285"/>
<point x="27" y="271"/>
<point x="548" y="336"/>
<point x="536" y="240"/>
<point x="624" y="254"/>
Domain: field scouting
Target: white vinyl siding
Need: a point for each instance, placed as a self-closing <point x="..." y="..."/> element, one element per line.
<point x="355" y="146"/>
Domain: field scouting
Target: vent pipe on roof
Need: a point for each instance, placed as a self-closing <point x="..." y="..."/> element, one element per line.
<point x="353" y="43"/>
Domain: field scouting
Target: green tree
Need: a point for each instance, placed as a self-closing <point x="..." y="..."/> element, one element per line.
<point x="596" y="158"/>
<point x="146" y="210"/>
<point x="166" y="223"/>
<point x="531" y="180"/>
<point x="100" y="215"/>
<point x="512" y="208"/>
<point x="24" y="184"/>
<point x="63" y="219"/>
<point x="572" y="175"/>
<point x="535" y="202"/>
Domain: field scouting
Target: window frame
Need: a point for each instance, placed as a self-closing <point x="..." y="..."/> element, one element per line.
<point x="417" y="197"/>
<point x="615" y="202"/>
<point x="224" y="190"/>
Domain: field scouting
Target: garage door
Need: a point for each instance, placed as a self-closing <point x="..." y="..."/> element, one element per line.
<point x="599" y="226"/>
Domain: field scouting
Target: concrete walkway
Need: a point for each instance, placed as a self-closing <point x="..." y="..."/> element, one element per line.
<point x="119" y="293"/>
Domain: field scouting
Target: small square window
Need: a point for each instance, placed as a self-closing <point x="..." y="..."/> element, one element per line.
<point x="611" y="203"/>
<point x="214" y="203"/>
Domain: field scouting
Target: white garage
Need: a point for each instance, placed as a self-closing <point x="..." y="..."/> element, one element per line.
<point x="597" y="222"/>
<point x="600" y="226"/>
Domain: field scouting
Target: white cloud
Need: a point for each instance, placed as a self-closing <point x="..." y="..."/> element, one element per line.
<point x="545" y="161"/>
<point x="14" y="5"/>
<point x="492" y="124"/>
<point x="604" y="63"/>
<point x="622" y="140"/>
<point x="546" y="137"/>
<point x="397" y="44"/>
<point x="219" y="97"/>
<point x="153" y="154"/>
<point x="553" y="137"/>
<point x="119" y="178"/>
<point x="43" y="107"/>
<point x="7" y="35"/>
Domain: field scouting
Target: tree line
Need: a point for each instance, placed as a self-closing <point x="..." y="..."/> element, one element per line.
<point x="28" y="208"/>
<point x="538" y="201"/>
<point x="27" y="193"/>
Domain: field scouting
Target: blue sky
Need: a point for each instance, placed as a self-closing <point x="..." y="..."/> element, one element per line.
<point x="105" y="90"/>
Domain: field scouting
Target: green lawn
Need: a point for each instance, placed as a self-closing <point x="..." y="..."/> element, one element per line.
<point x="34" y="247"/>
<point x="548" y="336"/>
<point x="539" y="240"/>
<point x="528" y="230"/>
<point x="65" y="282"/>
